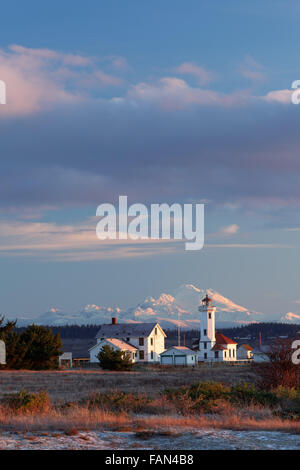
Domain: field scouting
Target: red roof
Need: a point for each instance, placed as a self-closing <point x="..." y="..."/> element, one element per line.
<point x="218" y="347"/>
<point x="222" y="339"/>
<point x="246" y="346"/>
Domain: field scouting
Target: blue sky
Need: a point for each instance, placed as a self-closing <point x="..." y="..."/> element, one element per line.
<point x="164" y="102"/>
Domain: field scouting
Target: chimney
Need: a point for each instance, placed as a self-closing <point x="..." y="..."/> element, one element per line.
<point x="114" y="321"/>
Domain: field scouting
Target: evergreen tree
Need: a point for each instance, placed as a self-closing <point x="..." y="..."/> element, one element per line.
<point x="113" y="359"/>
<point x="42" y="348"/>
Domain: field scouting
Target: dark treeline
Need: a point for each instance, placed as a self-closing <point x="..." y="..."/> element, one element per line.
<point x="267" y="330"/>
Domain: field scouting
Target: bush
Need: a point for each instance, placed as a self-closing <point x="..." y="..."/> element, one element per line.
<point x="27" y="402"/>
<point x="120" y="401"/>
<point x="246" y="394"/>
<point x="112" y="359"/>
<point x="209" y="396"/>
<point x="280" y="370"/>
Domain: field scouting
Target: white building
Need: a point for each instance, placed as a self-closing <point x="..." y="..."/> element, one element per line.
<point x="244" y="352"/>
<point x="2" y="353"/>
<point x="179" y="356"/>
<point x="65" y="359"/>
<point x="116" y="344"/>
<point x="146" y="340"/>
<point x="213" y="346"/>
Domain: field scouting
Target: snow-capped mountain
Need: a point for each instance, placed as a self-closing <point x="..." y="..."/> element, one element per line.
<point x="290" y="317"/>
<point x="170" y="311"/>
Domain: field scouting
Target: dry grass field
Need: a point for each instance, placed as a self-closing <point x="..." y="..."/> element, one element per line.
<point x="69" y="385"/>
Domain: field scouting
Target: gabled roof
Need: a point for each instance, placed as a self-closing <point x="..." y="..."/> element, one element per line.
<point x="118" y="343"/>
<point x="218" y="347"/>
<point x="222" y="339"/>
<point x="181" y="349"/>
<point x="246" y="346"/>
<point x="123" y="330"/>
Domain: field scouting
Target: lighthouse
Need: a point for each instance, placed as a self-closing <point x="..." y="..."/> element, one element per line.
<point x="207" y="329"/>
<point x="213" y="346"/>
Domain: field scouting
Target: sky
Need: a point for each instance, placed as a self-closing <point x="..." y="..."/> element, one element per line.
<point x="165" y="102"/>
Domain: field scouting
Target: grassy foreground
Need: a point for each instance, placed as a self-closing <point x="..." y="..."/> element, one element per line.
<point x="202" y="405"/>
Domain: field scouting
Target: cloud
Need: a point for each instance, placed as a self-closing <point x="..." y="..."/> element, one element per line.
<point x="161" y="141"/>
<point x="279" y="96"/>
<point x="229" y="230"/>
<point x="77" y="242"/>
<point x="202" y="75"/>
<point x="171" y="93"/>
<point x="39" y="79"/>
<point x="252" y="70"/>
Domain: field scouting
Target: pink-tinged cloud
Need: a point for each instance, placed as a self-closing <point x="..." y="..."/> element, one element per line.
<point x="76" y="242"/>
<point x="171" y="93"/>
<point x="279" y="96"/>
<point x="252" y="70"/>
<point x="38" y="79"/>
<point x="230" y="230"/>
<point x="202" y="75"/>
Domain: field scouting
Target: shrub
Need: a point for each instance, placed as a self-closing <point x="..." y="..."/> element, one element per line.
<point x="280" y="370"/>
<point x="24" y="401"/>
<point x="246" y="394"/>
<point x="113" y="359"/>
<point x="120" y="401"/>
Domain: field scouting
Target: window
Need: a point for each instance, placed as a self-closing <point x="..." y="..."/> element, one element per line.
<point x="225" y="354"/>
<point x="229" y="352"/>
<point x="141" y="341"/>
<point x="128" y="339"/>
<point x="205" y="345"/>
<point x="205" y="332"/>
<point x="151" y="354"/>
<point x="205" y="355"/>
<point x="216" y="354"/>
<point x="151" y="341"/>
<point x="233" y="351"/>
<point x="209" y="316"/>
<point x="141" y="353"/>
<point x="155" y="331"/>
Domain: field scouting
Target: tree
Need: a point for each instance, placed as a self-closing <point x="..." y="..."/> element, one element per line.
<point x="42" y="348"/>
<point x="279" y="370"/>
<point x="33" y="348"/>
<point x="113" y="359"/>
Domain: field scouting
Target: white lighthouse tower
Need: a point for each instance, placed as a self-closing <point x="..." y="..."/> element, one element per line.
<point x="207" y="329"/>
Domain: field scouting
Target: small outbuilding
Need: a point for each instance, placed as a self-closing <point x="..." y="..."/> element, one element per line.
<point x="178" y="356"/>
<point x="2" y="353"/>
<point x="261" y="354"/>
<point x="65" y="360"/>
<point x="244" y="352"/>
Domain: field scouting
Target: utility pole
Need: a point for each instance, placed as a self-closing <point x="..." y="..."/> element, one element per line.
<point x="260" y="339"/>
